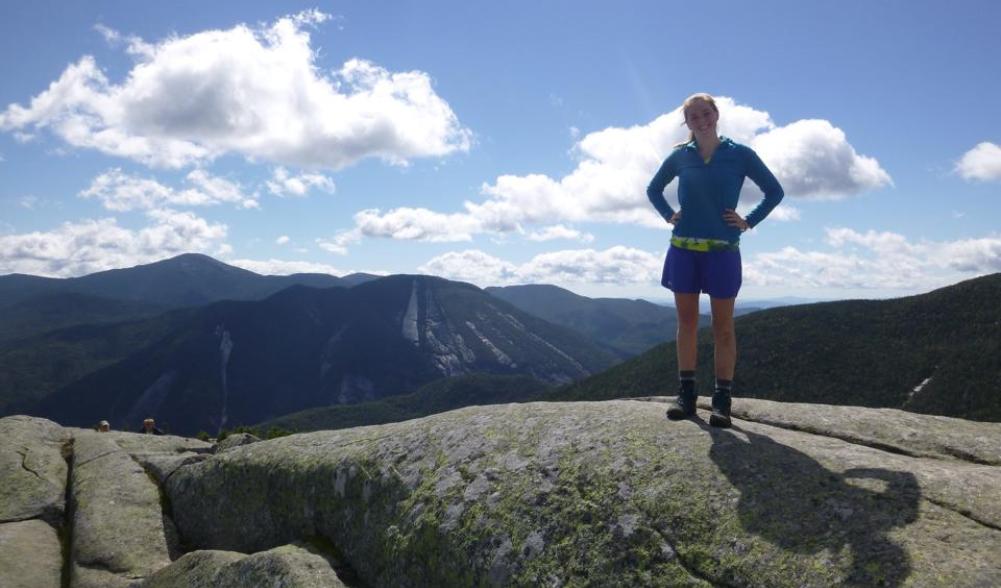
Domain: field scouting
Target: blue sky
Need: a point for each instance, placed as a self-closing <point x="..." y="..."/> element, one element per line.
<point x="497" y="143"/>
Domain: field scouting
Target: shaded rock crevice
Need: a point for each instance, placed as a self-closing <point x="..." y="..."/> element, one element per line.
<point x="964" y="512"/>
<point x="966" y="456"/>
<point x="853" y="439"/>
<point x="952" y="452"/>
<point x="945" y="439"/>
<point x="171" y="535"/>
<point x="66" y="530"/>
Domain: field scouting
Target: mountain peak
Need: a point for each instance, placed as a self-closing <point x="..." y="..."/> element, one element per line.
<point x="193" y="263"/>
<point x="183" y="280"/>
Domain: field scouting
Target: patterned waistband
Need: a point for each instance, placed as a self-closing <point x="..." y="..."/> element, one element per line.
<point x="704" y="245"/>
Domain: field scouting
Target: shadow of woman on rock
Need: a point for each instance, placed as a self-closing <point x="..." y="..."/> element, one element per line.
<point x="792" y="501"/>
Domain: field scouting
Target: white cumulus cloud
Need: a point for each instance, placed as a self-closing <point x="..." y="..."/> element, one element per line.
<point x="257" y="92"/>
<point x="120" y="191"/>
<point x="811" y="158"/>
<point x="982" y="163"/>
<point x="283" y="240"/>
<point x="472" y="266"/>
<point x="875" y="260"/>
<point x="87" y="246"/>
<point x="615" y="265"/>
<point x="418" y="224"/>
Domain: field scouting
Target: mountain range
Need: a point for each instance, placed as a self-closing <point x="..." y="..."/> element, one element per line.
<point x="54" y="332"/>
<point x="83" y="349"/>
<point x="240" y="362"/>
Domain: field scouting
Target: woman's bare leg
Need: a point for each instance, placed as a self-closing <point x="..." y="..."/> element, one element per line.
<point x="687" y="306"/>
<point x="724" y="338"/>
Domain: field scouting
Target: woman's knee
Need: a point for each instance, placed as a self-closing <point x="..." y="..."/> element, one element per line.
<point x="724" y="333"/>
<point x="688" y="322"/>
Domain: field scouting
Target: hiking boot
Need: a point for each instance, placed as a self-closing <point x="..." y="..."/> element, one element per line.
<point x="683" y="406"/>
<point x="721" y="409"/>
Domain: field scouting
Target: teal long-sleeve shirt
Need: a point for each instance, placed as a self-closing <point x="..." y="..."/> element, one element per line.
<point x="705" y="190"/>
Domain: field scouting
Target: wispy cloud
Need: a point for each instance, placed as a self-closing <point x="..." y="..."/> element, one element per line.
<point x="280" y="267"/>
<point x="120" y="191"/>
<point x="284" y="184"/>
<point x="555" y="232"/>
<point x="252" y="91"/>
<point x="339" y="243"/>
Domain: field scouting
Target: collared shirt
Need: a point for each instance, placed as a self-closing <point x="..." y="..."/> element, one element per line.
<point x="706" y="189"/>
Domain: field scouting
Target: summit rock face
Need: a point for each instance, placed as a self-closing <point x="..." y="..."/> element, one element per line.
<point x="553" y="494"/>
<point x="613" y="494"/>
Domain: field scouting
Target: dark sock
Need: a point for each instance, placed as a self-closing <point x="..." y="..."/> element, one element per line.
<point x="721" y="399"/>
<point x="687" y="379"/>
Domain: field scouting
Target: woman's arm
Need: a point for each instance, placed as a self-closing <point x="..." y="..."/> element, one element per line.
<point x="763" y="177"/>
<point x="655" y="191"/>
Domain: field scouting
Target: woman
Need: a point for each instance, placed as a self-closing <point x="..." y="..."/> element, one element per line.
<point x="704" y="255"/>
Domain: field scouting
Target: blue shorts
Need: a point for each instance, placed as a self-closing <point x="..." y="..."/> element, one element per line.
<point x="717" y="273"/>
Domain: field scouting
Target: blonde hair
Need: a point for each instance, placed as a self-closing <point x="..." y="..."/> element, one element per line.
<point x="697" y="97"/>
